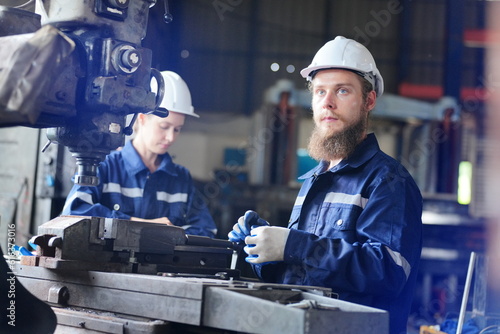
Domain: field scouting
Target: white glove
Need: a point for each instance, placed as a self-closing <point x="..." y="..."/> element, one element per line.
<point x="266" y="244"/>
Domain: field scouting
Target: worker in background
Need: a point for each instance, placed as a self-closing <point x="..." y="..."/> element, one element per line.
<point x="356" y="223"/>
<point x="141" y="182"/>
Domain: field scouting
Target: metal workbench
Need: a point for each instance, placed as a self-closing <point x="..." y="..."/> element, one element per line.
<point x="103" y="302"/>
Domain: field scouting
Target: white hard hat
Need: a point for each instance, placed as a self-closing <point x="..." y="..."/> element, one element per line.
<point x="347" y="54"/>
<point x="177" y="96"/>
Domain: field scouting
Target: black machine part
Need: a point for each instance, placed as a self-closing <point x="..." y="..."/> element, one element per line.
<point x="78" y="68"/>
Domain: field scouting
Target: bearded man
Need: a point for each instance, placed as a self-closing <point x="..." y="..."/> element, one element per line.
<point x="356" y="223"/>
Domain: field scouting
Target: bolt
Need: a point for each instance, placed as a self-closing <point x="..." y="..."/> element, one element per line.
<point x="130" y="58"/>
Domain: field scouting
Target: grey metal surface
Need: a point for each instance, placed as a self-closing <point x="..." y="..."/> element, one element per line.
<point x="132" y="28"/>
<point x="284" y="311"/>
<point x="148" y="284"/>
<point x="84" y="321"/>
<point x="70" y="245"/>
<point x="249" y="307"/>
<point x="154" y="297"/>
<point x="16" y="21"/>
<point x="241" y="312"/>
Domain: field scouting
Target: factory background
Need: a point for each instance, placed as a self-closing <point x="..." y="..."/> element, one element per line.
<point x="241" y="60"/>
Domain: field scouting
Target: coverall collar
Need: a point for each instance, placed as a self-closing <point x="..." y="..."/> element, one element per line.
<point x="134" y="163"/>
<point x="363" y="152"/>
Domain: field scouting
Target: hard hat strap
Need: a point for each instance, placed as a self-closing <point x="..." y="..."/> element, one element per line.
<point x="368" y="77"/>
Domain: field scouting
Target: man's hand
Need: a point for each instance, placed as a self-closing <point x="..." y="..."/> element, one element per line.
<point x="161" y="220"/>
<point x="242" y="228"/>
<point x="266" y="244"/>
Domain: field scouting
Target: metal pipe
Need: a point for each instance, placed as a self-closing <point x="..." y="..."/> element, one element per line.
<point x="463" y="307"/>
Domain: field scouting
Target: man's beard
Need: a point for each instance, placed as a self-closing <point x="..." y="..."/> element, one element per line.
<point x="338" y="145"/>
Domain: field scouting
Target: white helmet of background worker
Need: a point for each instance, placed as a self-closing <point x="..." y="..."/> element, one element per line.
<point x="177" y="96"/>
<point x="344" y="53"/>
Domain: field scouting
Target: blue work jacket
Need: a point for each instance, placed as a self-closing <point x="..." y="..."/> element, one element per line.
<point x="128" y="189"/>
<point x="356" y="228"/>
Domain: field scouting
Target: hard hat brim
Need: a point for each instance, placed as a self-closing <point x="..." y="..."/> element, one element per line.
<point x="190" y="113"/>
<point x="306" y="72"/>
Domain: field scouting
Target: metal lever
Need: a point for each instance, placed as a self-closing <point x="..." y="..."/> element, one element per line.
<point x="129" y="129"/>
<point x="46" y="146"/>
<point x="161" y="112"/>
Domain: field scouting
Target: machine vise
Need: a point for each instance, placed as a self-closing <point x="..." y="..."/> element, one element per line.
<point x="116" y="245"/>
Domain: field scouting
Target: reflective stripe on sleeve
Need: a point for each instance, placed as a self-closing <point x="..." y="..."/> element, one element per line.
<point x="85" y="197"/>
<point x="400" y="261"/>
<point x="299" y="201"/>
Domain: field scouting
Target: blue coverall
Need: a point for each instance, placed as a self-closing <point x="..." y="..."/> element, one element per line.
<point x="356" y="229"/>
<point x="128" y="189"/>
